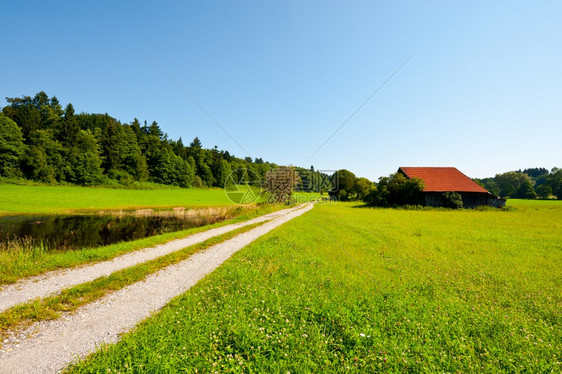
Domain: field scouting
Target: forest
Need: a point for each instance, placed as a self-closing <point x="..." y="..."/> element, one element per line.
<point x="43" y="142"/>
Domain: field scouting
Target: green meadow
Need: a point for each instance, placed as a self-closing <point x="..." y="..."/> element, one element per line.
<point x="62" y="199"/>
<point x="28" y="199"/>
<point x="350" y="289"/>
<point x="551" y="204"/>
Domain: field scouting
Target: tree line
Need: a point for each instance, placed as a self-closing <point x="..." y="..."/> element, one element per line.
<point x="41" y="141"/>
<point x="526" y="184"/>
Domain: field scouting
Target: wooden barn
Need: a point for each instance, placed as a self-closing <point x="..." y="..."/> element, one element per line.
<point x="438" y="180"/>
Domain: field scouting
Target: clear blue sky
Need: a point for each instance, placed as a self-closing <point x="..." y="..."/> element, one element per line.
<point x="482" y="92"/>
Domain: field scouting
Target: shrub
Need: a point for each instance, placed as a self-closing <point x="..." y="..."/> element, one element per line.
<point x="396" y="190"/>
<point x="197" y="182"/>
<point x="452" y="200"/>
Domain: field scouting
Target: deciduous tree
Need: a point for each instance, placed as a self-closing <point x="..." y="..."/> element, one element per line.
<point x="11" y="147"/>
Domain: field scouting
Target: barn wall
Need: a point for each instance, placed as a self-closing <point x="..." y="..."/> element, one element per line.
<point x="469" y="199"/>
<point x="495" y="201"/>
<point x="472" y="200"/>
<point x="433" y="199"/>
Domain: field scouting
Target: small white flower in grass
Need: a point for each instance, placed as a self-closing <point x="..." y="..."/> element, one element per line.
<point x="362" y="335"/>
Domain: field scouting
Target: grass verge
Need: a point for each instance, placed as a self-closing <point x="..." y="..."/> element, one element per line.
<point x="342" y="289"/>
<point x="75" y="297"/>
<point x="23" y="261"/>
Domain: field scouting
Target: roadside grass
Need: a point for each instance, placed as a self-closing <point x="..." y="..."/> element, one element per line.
<point x="68" y="300"/>
<point x="22" y="259"/>
<point x="343" y="289"/>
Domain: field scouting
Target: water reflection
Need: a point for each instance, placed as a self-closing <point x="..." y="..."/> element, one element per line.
<point x="81" y="231"/>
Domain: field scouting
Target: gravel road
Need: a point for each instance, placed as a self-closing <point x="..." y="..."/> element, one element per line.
<point x="52" y="345"/>
<point x="55" y="281"/>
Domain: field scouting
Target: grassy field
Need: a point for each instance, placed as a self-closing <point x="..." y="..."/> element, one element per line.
<point x="553" y="204"/>
<point x="346" y="289"/>
<point x="62" y="199"/>
<point x="17" y="199"/>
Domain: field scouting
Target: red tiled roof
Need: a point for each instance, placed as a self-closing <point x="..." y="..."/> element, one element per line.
<point x="442" y="179"/>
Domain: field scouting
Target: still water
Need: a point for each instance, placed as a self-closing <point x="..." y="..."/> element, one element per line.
<point x="81" y="231"/>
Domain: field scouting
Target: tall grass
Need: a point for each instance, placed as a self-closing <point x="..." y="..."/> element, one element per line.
<point x="19" y="253"/>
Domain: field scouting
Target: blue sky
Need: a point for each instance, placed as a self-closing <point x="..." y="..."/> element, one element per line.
<point x="482" y="91"/>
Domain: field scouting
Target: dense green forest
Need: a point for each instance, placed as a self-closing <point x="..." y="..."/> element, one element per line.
<point x="41" y="141"/>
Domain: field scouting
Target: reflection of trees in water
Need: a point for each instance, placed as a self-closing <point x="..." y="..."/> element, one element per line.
<point x="71" y="232"/>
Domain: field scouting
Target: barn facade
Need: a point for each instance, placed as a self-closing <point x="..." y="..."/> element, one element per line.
<point x="438" y="180"/>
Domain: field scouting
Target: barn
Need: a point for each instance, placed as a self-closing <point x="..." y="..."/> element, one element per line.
<point x="438" y="180"/>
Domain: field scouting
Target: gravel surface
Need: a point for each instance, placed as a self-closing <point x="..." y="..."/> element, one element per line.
<point x="52" y="345"/>
<point x="55" y="281"/>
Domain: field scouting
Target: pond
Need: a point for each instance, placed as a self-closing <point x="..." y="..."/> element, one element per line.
<point x="58" y="232"/>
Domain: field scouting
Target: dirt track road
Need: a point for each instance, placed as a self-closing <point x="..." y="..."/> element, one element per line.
<point x="55" y="344"/>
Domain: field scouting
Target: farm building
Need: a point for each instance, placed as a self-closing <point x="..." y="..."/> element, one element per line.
<point x="438" y="180"/>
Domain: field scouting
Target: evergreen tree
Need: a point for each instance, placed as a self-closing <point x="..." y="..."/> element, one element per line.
<point x="196" y="143"/>
<point x="84" y="162"/>
<point x="69" y="128"/>
<point x="155" y="130"/>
